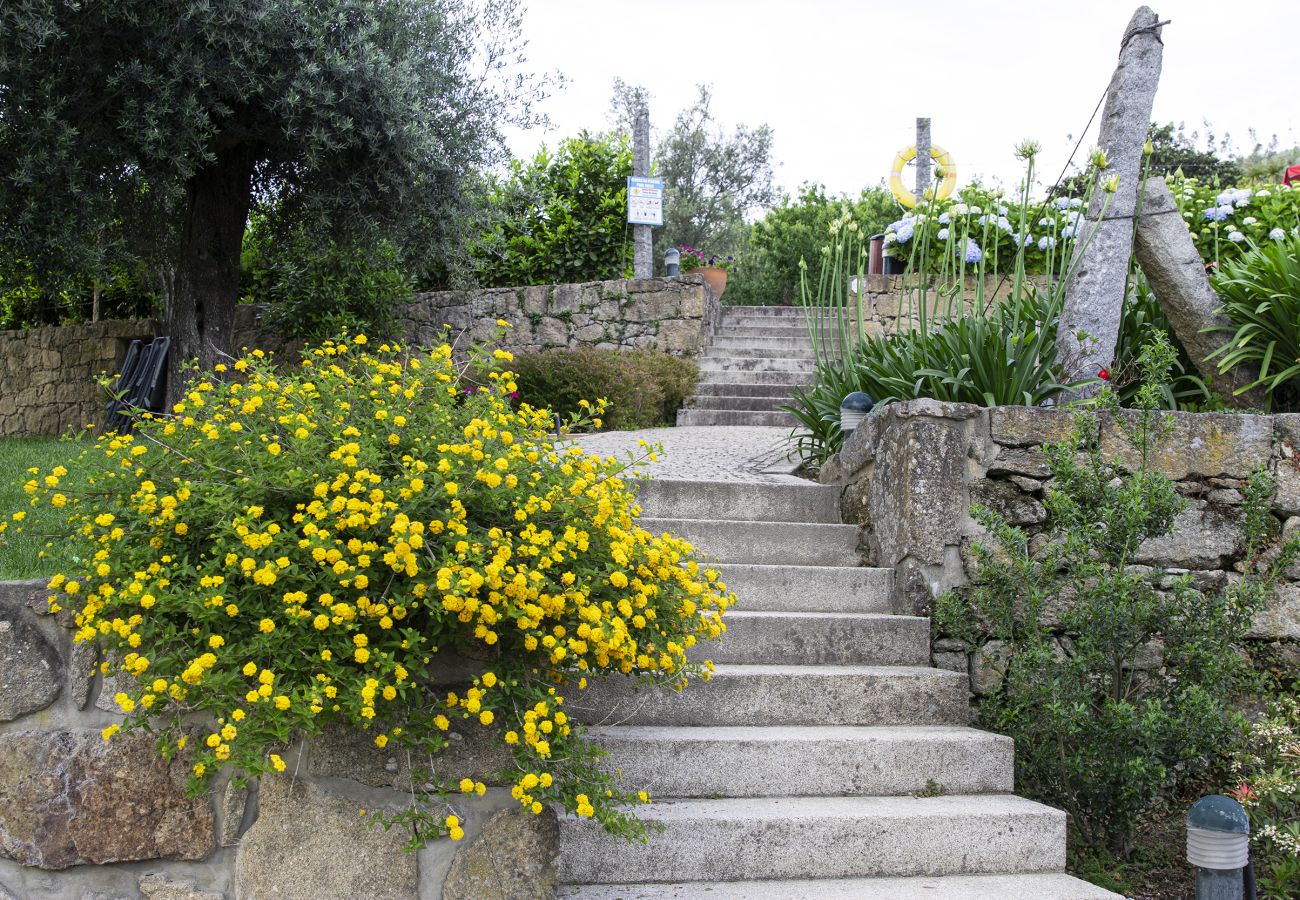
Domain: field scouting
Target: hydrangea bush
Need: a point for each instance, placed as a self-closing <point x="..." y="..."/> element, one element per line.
<point x="294" y="547"/>
<point x="1226" y="222"/>
<point x="987" y="228"/>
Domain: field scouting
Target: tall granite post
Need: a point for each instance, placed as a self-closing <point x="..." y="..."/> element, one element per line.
<point x="642" y="235"/>
<point x="1176" y="273"/>
<point x="1094" y="298"/>
<point x="922" y="159"/>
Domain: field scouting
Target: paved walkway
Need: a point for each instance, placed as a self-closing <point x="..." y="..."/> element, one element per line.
<point x="755" y="454"/>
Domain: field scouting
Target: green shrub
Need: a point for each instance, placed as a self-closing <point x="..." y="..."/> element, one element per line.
<point x="1096" y="734"/>
<point x="1267" y="772"/>
<point x="294" y="547"/>
<point x="644" y="387"/>
<point x="1260" y="291"/>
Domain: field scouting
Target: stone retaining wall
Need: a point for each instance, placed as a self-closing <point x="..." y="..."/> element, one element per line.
<point x="912" y="470"/>
<point x="676" y="315"/>
<point x="49" y="376"/>
<point x="86" y="819"/>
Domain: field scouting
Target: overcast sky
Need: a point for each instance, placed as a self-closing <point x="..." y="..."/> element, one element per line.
<point x="841" y="82"/>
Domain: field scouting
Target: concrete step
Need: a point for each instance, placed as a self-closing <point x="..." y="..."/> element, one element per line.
<point x="766" y="312"/>
<point x="735" y="417"/>
<point x="803" y="761"/>
<point x="749" y="345"/>
<point x="810" y="588"/>
<point x="821" y="837"/>
<point x="818" y="638"/>
<point x="784" y="379"/>
<point x="742" y="404"/>
<point x="738" y="389"/>
<point x="1025" y="886"/>
<point x="781" y="695"/>
<point x="746" y="351"/>
<point x="672" y="498"/>
<point x="763" y="328"/>
<point x="767" y="543"/>
<point x="753" y="364"/>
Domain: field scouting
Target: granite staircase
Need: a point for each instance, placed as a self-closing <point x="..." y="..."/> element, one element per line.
<point x="758" y="356"/>
<point x="826" y="760"/>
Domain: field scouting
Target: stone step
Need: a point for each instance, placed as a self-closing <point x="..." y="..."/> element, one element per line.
<point x="781" y="695"/>
<point x="819" y="638"/>
<point x="809" y="588"/>
<point x="738" y="389"/>
<point x="774" y="312"/>
<point x="743" y="404"/>
<point x="820" y="837"/>
<point x="762" y="328"/>
<point x="672" y="498"/>
<point x="735" y="417"/>
<point x="746" y="351"/>
<point x="750" y="346"/>
<point x="767" y="543"/>
<point x="803" y="761"/>
<point x="1024" y="886"/>
<point x="753" y="364"/>
<point x="786" y="380"/>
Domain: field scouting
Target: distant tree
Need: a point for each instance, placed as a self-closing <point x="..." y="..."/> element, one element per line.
<point x="1173" y="149"/>
<point x="165" y="119"/>
<point x="712" y="179"/>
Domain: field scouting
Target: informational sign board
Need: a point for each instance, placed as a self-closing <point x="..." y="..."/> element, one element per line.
<point x="645" y="201"/>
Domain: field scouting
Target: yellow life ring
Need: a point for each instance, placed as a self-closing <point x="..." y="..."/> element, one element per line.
<point x="940" y="157"/>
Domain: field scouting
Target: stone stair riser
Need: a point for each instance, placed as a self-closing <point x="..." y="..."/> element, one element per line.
<point x="663" y="498"/>
<point x="824" y="837"/>
<point x="837" y="639"/>
<point x="782" y="695"/>
<point x="1023" y="886"/>
<point x="735" y="417"/>
<point x="791" y="543"/>
<point x="769" y="588"/>
<point x="828" y="761"/>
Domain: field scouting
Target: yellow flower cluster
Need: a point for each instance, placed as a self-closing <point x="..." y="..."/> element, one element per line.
<point x="293" y="546"/>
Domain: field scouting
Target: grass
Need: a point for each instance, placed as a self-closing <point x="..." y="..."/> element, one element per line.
<point x="22" y="543"/>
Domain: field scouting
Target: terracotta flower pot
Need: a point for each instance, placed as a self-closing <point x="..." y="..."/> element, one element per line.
<point x="714" y="277"/>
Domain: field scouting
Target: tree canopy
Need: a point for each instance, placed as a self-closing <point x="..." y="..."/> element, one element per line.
<point x="149" y="127"/>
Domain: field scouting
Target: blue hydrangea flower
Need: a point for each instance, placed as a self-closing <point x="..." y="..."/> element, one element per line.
<point x="943" y="219"/>
<point x="1075" y="202"/>
<point x="906" y="228"/>
<point x="943" y="234"/>
<point x="1249" y="220"/>
<point x="973" y="252"/>
<point x="1236" y="237"/>
<point x="1005" y="224"/>
<point x="1062" y="203"/>
<point x="1002" y="210"/>
<point x="1046" y="243"/>
<point x="1277" y="234"/>
<point x="960" y="209"/>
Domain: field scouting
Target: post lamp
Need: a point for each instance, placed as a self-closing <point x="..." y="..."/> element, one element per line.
<point x="672" y="262"/>
<point x="853" y="409"/>
<point x="1218" y="844"/>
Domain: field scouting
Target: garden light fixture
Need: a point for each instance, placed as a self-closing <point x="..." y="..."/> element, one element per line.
<point x="853" y="409"/>
<point x="1218" y="835"/>
<point x="672" y="262"/>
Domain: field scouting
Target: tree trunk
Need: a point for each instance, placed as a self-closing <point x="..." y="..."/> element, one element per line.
<point x="200" y="313"/>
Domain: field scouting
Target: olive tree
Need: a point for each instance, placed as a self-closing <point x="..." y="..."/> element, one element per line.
<point x="152" y="126"/>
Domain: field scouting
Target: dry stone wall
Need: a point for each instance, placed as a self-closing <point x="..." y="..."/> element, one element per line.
<point x="49" y="376"/>
<point x="82" y="818"/>
<point x="912" y="470"/>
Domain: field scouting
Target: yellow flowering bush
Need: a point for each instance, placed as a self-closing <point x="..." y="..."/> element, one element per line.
<point x="290" y="548"/>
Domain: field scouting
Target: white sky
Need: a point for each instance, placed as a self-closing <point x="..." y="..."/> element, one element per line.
<point x="841" y="82"/>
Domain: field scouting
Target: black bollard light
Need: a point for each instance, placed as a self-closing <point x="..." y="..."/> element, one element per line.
<point x="1218" y="844"/>
<point x="853" y="409"/>
<point x="672" y="262"/>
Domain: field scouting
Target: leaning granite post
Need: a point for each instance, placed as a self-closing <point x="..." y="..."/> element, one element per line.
<point x="1094" y="294"/>
<point x="1176" y="273"/>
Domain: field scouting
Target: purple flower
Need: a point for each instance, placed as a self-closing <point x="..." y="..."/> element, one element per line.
<point x="973" y="252"/>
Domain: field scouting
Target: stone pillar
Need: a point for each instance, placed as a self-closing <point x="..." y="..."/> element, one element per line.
<point x="642" y="235"/>
<point x="1176" y="273"/>
<point x="1094" y="298"/>
<point x="922" y="158"/>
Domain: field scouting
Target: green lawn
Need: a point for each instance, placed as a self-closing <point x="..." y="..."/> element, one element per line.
<point x="21" y="544"/>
